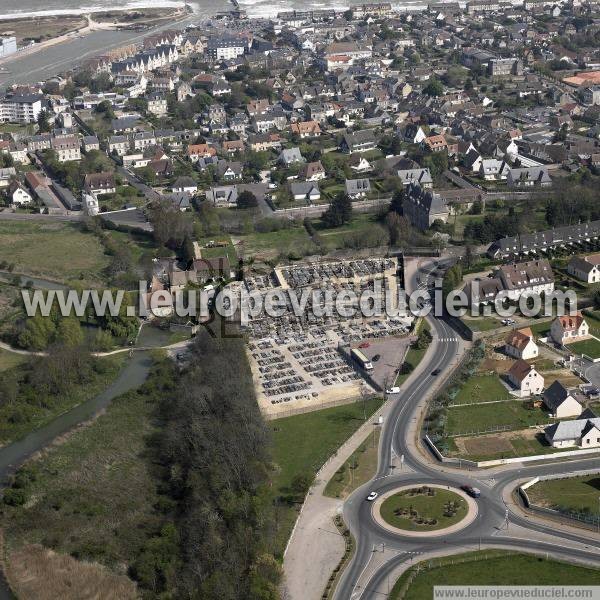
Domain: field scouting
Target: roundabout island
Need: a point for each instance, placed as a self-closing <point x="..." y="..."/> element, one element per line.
<point x="424" y="510"/>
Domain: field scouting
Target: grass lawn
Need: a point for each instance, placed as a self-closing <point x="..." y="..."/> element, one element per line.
<point x="541" y="329"/>
<point x="55" y="250"/>
<point x="138" y="244"/>
<point x="483" y="324"/>
<point x="438" y="511"/>
<point x="481" y="388"/>
<point x="576" y="494"/>
<point x="358" y="469"/>
<point x="8" y="360"/>
<point x="302" y="443"/>
<point x="275" y="242"/>
<point x="481" y="417"/>
<point x="502" y="445"/>
<point x="593" y="320"/>
<point x="492" y="568"/>
<point x="337" y="236"/>
<point x="26" y="414"/>
<point x="81" y="501"/>
<point x="589" y="347"/>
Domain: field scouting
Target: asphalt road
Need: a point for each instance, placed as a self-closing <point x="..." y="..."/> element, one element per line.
<point x="495" y="520"/>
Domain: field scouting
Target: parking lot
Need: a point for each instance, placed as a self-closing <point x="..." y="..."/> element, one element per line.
<point x="296" y="359"/>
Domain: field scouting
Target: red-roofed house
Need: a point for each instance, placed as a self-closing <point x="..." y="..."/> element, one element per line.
<point x="569" y="329"/>
<point x="520" y="344"/>
<point x="198" y="151"/>
<point x="526" y="380"/>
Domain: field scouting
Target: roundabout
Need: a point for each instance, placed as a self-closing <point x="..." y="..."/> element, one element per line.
<point x="426" y="510"/>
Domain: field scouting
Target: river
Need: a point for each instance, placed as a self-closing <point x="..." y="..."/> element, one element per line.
<point x="132" y="375"/>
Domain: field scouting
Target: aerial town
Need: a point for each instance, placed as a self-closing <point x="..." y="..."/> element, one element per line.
<point x="303" y="453"/>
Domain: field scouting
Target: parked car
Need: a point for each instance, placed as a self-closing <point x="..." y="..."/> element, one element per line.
<point x="472" y="491"/>
<point x="393" y="390"/>
<point x="364" y="345"/>
<point x="376" y="357"/>
<point x="372" y="496"/>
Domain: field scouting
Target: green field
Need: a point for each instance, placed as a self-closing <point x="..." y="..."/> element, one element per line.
<point x="30" y="411"/>
<point x="8" y="360"/>
<point x="576" y="494"/>
<point x="483" y="324"/>
<point x="593" y="320"/>
<point x="514" y="414"/>
<point x="541" y="329"/>
<point x="589" y="347"/>
<point x="338" y="237"/>
<point x="54" y="250"/>
<point x="491" y="568"/>
<point x="481" y="388"/>
<point x="433" y="508"/>
<point x="273" y="243"/>
<point x="93" y="495"/>
<point x="358" y="469"/>
<point x="302" y="443"/>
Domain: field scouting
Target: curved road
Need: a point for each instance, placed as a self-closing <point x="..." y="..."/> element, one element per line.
<point x="381" y="555"/>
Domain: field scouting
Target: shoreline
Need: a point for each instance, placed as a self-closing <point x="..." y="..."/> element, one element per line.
<point x="149" y="18"/>
<point x="79" y="12"/>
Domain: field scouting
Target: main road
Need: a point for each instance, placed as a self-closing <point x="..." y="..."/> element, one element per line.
<point x="382" y="555"/>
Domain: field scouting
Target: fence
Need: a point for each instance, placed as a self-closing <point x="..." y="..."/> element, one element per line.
<point x="431" y="564"/>
<point x="316" y="210"/>
<point x="319" y="404"/>
<point x="493" y="429"/>
<point x="505" y="461"/>
<point x="583" y="518"/>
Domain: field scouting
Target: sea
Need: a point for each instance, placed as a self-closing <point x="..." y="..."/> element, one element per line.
<point x="255" y="8"/>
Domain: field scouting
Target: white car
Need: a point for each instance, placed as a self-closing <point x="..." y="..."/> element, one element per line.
<point x="372" y="496"/>
<point x="393" y="390"/>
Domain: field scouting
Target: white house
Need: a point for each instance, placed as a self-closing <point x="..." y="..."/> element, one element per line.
<point x="305" y="190"/>
<point x="185" y="185"/>
<point x="532" y="277"/>
<point x="568" y="329"/>
<point x="525" y="379"/>
<point x="414" y="134"/>
<point x="582" y="433"/>
<point x="560" y="402"/>
<point x="90" y="204"/>
<point x="18" y="195"/>
<point x="520" y="344"/>
<point x="492" y="169"/>
<point x="585" y="268"/>
<point x="67" y="148"/>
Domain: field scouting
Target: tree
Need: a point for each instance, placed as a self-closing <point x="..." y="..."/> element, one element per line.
<point x="105" y="108"/>
<point x="69" y="332"/>
<point x="247" y="200"/>
<point x="43" y="122"/>
<point x="187" y="252"/>
<point x="38" y="333"/>
<point x="452" y="279"/>
<point x="434" y="88"/>
<point x="339" y="211"/>
<point x="397" y="201"/>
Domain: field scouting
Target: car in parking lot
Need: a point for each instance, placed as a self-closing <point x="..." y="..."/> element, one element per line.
<point x="376" y="357"/>
<point x="364" y="345"/>
<point x="472" y="491"/>
<point x="372" y="496"/>
<point x="393" y="390"/>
